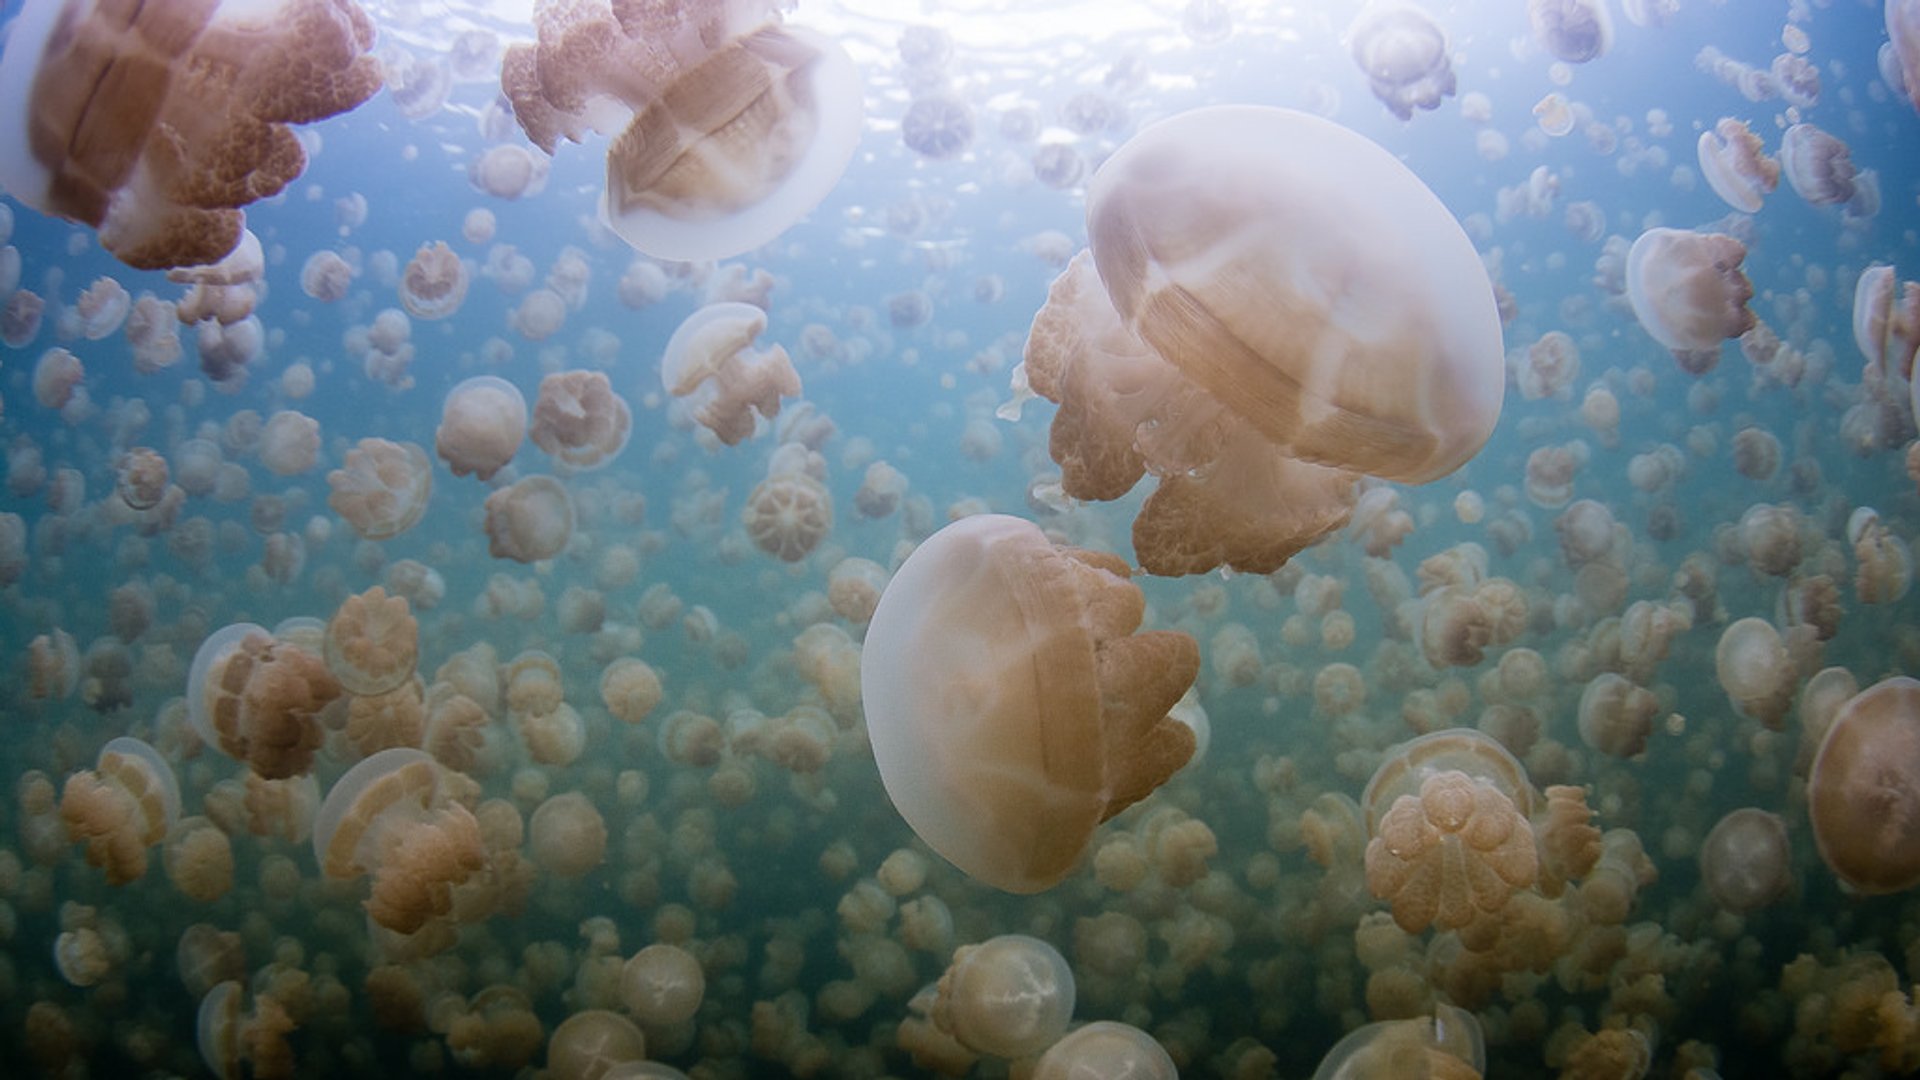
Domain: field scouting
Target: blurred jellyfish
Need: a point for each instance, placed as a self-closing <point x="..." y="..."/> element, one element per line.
<point x="393" y="816"/>
<point x="1903" y="36"/>
<point x="1687" y="288"/>
<point x="434" y="282"/>
<point x="579" y="420"/>
<point x="142" y="481"/>
<point x="153" y="333"/>
<point x="289" y="443"/>
<point x="1752" y="665"/>
<point x="1058" y="165"/>
<point x="382" y="488"/>
<point x="1575" y="31"/>
<point x="482" y="423"/>
<point x="1206" y="22"/>
<point x="1862" y="794"/>
<point x="529" y="520"/>
<point x="418" y="84"/>
<point x="1554" y="114"/>
<point x="718" y="143"/>
<point x="1549" y="368"/>
<point x="909" y="310"/>
<point x="326" y="276"/>
<point x="939" y="127"/>
<point x="1746" y="861"/>
<point x="509" y="171"/>
<point x="1818" y="165"/>
<point x="925" y="47"/>
<point x="788" y="514"/>
<point x="1404" y="55"/>
<point x="960" y="729"/>
<point x="711" y="360"/>
<point x="1736" y="165"/>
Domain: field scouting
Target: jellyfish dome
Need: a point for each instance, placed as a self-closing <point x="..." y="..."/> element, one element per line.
<point x="1011" y="705"/>
<point x="939" y="127"/>
<point x="1736" y="165"/>
<point x="1818" y="166"/>
<point x="711" y="361"/>
<point x="727" y="126"/>
<point x="156" y="124"/>
<point x="1863" y="793"/>
<point x="393" y="816"/>
<point x="1575" y="31"/>
<point x="1404" y="55"/>
<point x="1687" y="288"/>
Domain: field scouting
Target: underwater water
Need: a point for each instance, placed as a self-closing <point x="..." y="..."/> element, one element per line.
<point x="623" y="697"/>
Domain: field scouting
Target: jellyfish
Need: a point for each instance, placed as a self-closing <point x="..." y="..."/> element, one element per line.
<point x="662" y="985"/>
<point x="258" y="699"/>
<point x="1752" y="665"/>
<point x="153" y="333"/>
<point x="102" y="307"/>
<point x="567" y="835"/>
<point x="720" y="140"/>
<point x="509" y="171"/>
<point x="962" y="729"/>
<point x="1818" y="166"/>
<point x="1549" y="368"/>
<point x="580" y="420"/>
<point x="1447" y="1044"/>
<point x="1903" y="38"/>
<point x="1058" y="165"/>
<point x="382" y="488"/>
<point x="1736" y="165"/>
<point x="1616" y="715"/>
<point x="938" y="127"/>
<point x="434" y="283"/>
<point x="1746" y="861"/>
<point x="1554" y="114"/>
<point x="372" y="642"/>
<point x="121" y="807"/>
<point x="157" y="126"/>
<point x="1575" y="31"/>
<point x="592" y="1044"/>
<point x="1011" y="996"/>
<point x="482" y="423"/>
<point x="1687" y="288"/>
<point x="1886" y="320"/>
<point x="1861" y="792"/>
<point x="394" y="816"/>
<point x="289" y="443"/>
<point x="1404" y="55"/>
<point x="57" y="377"/>
<point x="1106" y="1048"/>
<point x="711" y="360"/>
<point x="1237" y="408"/>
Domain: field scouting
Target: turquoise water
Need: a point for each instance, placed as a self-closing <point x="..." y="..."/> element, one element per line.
<point x="1244" y="956"/>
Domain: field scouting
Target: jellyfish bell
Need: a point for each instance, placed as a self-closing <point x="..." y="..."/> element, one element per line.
<point x="1818" y="165"/>
<point x="1863" y="792"/>
<point x="1404" y="54"/>
<point x="1903" y="37"/>
<point x="938" y="127"/>
<point x="1886" y="320"/>
<point x="1736" y="165"/>
<point x="482" y="423"/>
<point x="1746" y="861"/>
<point x="393" y="816"/>
<point x="1687" y="288"/>
<point x="1011" y="996"/>
<point x="121" y="807"/>
<point x="1010" y="704"/>
<point x="1447" y="1044"/>
<point x="1574" y="31"/>
<point x="1106" y="1048"/>
<point x="711" y="361"/>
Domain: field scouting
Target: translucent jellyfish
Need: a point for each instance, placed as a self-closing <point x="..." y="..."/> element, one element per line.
<point x="1449" y="1044"/>
<point x="961" y="729"/>
<point x="372" y="642"/>
<point x="289" y="443"/>
<point x="1449" y="839"/>
<point x="434" y="283"/>
<point x="1258" y="418"/>
<point x="382" y="488"/>
<point x="1818" y="165"/>
<point x="1861" y="793"/>
<point x="788" y="514"/>
<point x="1903" y="35"/>
<point x="258" y="699"/>
<point x="509" y="171"/>
<point x="1549" y="368"/>
<point x="594" y="1044"/>
<point x="102" y="307"/>
<point x="1616" y="715"/>
<point x="1058" y="165"/>
<point x="662" y="985"/>
<point x="1736" y="165"/>
<point x="1554" y="114"/>
<point x="720" y="140"/>
<point x="121" y="807"/>
<point x="1404" y="55"/>
<point x="53" y="666"/>
<point x="1105" y="1048"/>
<point x="1746" y="861"/>
<point x="156" y="125"/>
<point x="540" y="315"/>
<point x="939" y="127"/>
<point x="711" y="360"/>
<point x="1752" y="665"/>
<point x="481" y="425"/>
<point x="881" y="489"/>
<point x="1011" y="996"/>
<point x="529" y="520"/>
<point x="579" y="420"/>
<point x="153" y="333"/>
<point x="1886" y="320"/>
<point x="1575" y="31"/>
<point x="567" y="835"/>
<point x="854" y="587"/>
<point x="909" y="310"/>
<point x="57" y="377"/>
<point x="1883" y="561"/>
<point x="20" y="318"/>
<point x="393" y="816"/>
<point x="1687" y="288"/>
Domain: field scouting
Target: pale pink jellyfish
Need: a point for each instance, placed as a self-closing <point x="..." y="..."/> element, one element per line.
<point x="102" y="308"/>
<point x="1687" y="288"/>
<point x="880" y="491"/>
<point x="711" y="361"/>
<point x="153" y="333"/>
<point x="1574" y="31"/>
<point x="481" y="425"/>
<point x="1549" y="367"/>
<point x="540" y="315"/>
<point x="1903" y="36"/>
<point x="719" y="142"/>
<point x="1404" y="55"/>
<point x="1818" y="165"/>
<point x="326" y="276"/>
<point x="579" y="420"/>
<point x="1736" y="165"/>
<point x="382" y="488"/>
<point x="289" y="443"/>
<point x="1886" y="320"/>
<point x="57" y="377"/>
<point x="434" y="283"/>
<point x="529" y="520"/>
<point x="509" y="171"/>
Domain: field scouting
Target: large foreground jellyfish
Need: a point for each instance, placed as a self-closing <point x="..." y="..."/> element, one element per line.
<point x="156" y="122"/>
<point x="727" y="125"/>
<point x="1011" y="705"/>
<point x="1863" y="794"/>
<point x="1272" y="306"/>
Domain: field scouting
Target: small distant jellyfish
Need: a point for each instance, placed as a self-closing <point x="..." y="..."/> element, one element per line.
<point x="1687" y="288"/>
<point x="1554" y="114"/>
<point x="1058" y="165"/>
<point x="482" y="424"/>
<point x="909" y="310"/>
<point x="382" y="488"/>
<point x="57" y="377"/>
<point x="539" y="315"/>
<point x="1818" y="166"/>
<point x="529" y="520"/>
<point x="1091" y="113"/>
<point x="290" y="443"/>
<point x="711" y="360"/>
<point x="788" y="514"/>
<point x="1020" y="124"/>
<point x="1206" y="22"/>
<point x="1575" y="31"/>
<point x="925" y="47"/>
<point x="508" y="171"/>
<point x="579" y="420"/>
<point x="938" y="127"/>
<point x="1736" y="165"/>
<point x="1404" y="55"/>
<point x="102" y="308"/>
<point x="326" y="276"/>
<point x="143" y="478"/>
<point x="434" y="283"/>
<point x="1746" y="861"/>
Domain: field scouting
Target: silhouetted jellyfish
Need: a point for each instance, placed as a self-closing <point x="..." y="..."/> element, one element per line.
<point x="1818" y="165"/>
<point x="1575" y="31"/>
<point x="1404" y="55"/>
<point x="1058" y="165"/>
<point x="1011" y="705"/>
<point x="156" y="124"/>
<point x="1862" y="794"/>
<point x="938" y="126"/>
<point x="1687" y="288"/>
<point x="726" y="125"/>
<point x="1736" y="164"/>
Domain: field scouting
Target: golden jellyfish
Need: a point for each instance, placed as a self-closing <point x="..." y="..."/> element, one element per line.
<point x="1736" y="165"/>
<point x="1862" y="794"/>
<point x="529" y="520"/>
<point x="1011" y="706"/>
<point x="121" y="807"/>
<point x="1616" y="715"/>
<point x="662" y="985"/>
<point x="1259" y="425"/>
<point x="53" y="666"/>
<point x="1819" y="166"/>
<point x="579" y="420"/>
<point x="727" y="126"/>
<point x="711" y="362"/>
<point x="372" y="642"/>
<point x="1687" y="288"/>
<point x="481" y="424"/>
<point x="1448" y="1045"/>
<point x="156" y="125"/>
<point x="198" y="859"/>
<point x="235" y="1043"/>
<point x="593" y="1044"/>
<point x="630" y="689"/>
<point x="382" y="487"/>
<point x="1459" y="803"/>
<point x="1010" y="996"/>
<point x="434" y="283"/>
<point x="881" y="488"/>
<point x="394" y="816"/>
<point x="1754" y="669"/>
<point x="788" y="514"/>
<point x="1883" y="562"/>
<point x="567" y="835"/>
<point x="1105" y="1048"/>
<point x="258" y="699"/>
<point x="1574" y="31"/>
<point x="1404" y="55"/>
<point x="1756" y="453"/>
<point x="1746" y="861"/>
